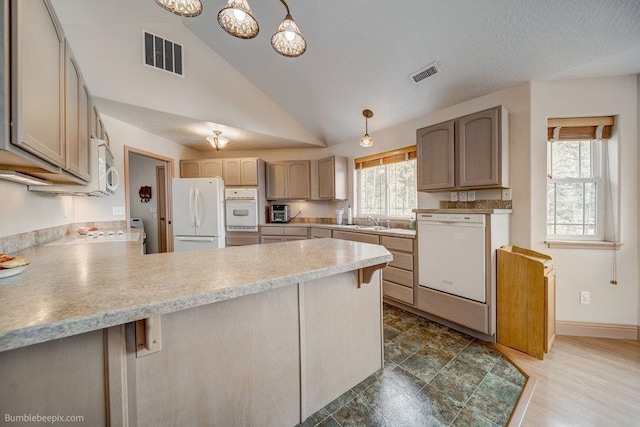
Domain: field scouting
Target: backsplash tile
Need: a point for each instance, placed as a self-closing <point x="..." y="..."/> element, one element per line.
<point x="21" y="241"/>
<point x="477" y="204"/>
<point x="395" y="223"/>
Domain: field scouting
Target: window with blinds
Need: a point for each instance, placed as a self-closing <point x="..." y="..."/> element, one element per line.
<point x="577" y="184"/>
<point x="386" y="183"/>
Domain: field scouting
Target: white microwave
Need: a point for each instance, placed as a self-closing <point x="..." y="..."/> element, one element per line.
<point x="104" y="176"/>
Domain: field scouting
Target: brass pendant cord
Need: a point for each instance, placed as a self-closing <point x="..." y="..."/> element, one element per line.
<point x="286" y="7"/>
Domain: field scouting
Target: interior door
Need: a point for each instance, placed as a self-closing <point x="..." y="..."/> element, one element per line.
<point x="161" y="209"/>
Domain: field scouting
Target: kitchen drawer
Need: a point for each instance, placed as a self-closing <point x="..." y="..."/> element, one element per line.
<point x="398" y="292"/>
<point x="318" y="233"/>
<point x="271" y="239"/>
<point x="296" y="231"/>
<point x="399" y="276"/>
<point x="397" y="243"/>
<point x="401" y="260"/>
<point x="272" y="231"/>
<point x="356" y="237"/>
<point x="242" y="240"/>
<point x="291" y="238"/>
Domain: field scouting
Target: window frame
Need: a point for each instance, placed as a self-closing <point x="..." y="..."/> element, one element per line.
<point x="597" y="177"/>
<point x="387" y="209"/>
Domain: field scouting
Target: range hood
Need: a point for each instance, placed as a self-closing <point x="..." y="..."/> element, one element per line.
<point x="104" y="176"/>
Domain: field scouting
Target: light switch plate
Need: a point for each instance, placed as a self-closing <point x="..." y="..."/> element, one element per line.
<point x="506" y="194"/>
<point x="118" y="210"/>
<point x="462" y="196"/>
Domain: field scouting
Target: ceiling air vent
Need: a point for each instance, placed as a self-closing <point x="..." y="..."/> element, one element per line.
<point x="424" y="73"/>
<point x="162" y="54"/>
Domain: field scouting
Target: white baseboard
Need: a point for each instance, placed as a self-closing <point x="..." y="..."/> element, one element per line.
<point x="598" y="330"/>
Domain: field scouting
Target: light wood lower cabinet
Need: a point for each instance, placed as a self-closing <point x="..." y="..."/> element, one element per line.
<point x="320" y="233"/>
<point x="399" y="276"/>
<point x="356" y="237"/>
<point x="274" y="234"/>
<point x="242" y="239"/>
<point x="526" y="306"/>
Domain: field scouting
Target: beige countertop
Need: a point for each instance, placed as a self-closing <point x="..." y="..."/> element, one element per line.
<point x="465" y="211"/>
<point x="395" y="232"/>
<point x="74" y="288"/>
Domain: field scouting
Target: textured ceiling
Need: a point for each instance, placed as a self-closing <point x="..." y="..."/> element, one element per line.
<point x="361" y="52"/>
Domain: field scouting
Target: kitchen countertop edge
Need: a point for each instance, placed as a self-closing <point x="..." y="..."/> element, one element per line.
<point x="365" y="255"/>
<point x="465" y="211"/>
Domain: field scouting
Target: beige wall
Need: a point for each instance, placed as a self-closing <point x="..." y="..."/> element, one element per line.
<point x="589" y="269"/>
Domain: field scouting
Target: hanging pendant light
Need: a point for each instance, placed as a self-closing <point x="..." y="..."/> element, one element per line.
<point x="366" y="140"/>
<point x="288" y="41"/>
<point x="186" y="8"/>
<point x="216" y="141"/>
<point x="236" y="19"/>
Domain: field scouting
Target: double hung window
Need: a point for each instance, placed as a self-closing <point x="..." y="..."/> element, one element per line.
<point x="386" y="184"/>
<point x="576" y="181"/>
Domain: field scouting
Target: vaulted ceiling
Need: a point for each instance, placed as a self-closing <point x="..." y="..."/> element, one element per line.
<point x="360" y="55"/>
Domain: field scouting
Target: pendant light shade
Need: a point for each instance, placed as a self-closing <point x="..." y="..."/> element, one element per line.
<point x="186" y="8"/>
<point x="236" y="19"/>
<point x="216" y="141"/>
<point x="288" y="41"/>
<point x="366" y="140"/>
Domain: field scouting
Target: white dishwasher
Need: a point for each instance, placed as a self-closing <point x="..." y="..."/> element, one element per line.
<point x="452" y="254"/>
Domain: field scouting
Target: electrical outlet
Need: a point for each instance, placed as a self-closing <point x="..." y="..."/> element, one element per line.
<point x="118" y="210"/>
<point x="506" y="194"/>
<point x="462" y="196"/>
<point x="454" y="196"/>
<point x="471" y="196"/>
<point x="585" y="297"/>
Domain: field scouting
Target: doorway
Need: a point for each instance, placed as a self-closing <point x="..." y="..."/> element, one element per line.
<point x="148" y="196"/>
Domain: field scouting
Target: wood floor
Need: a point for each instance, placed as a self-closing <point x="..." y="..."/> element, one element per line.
<point x="584" y="382"/>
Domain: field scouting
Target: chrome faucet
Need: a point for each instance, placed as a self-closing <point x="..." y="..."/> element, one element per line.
<point x="375" y="219"/>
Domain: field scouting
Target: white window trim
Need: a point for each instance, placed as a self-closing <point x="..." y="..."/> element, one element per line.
<point x="597" y="148"/>
<point x="358" y="203"/>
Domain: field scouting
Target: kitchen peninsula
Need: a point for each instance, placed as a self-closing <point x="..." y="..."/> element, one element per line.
<point x="251" y="335"/>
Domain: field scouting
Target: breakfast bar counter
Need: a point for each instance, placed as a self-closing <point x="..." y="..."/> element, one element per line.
<point x="261" y="334"/>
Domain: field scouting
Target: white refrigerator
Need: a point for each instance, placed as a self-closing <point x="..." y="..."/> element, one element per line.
<point x="198" y="213"/>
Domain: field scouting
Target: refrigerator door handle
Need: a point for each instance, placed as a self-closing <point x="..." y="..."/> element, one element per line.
<point x="191" y="215"/>
<point x="195" y="239"/>
<point x="195" y="198"/>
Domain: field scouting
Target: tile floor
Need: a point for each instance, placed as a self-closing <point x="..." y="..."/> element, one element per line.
<point x="433" y="376"/>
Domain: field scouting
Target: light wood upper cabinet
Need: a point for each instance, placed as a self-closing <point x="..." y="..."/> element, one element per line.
<point x="38" y="98"/>
<point x="241" y="171"/>
<point x="332" y="178"/>
<point x="189" y="169"/>
<point x="436" y="157"/>
<point x="299" y="179"/>
<point x="479" y="149"/>
<point x="277" y="181"/>
<point x="77" y="100"/>
<point x="249" y="171"/>
<point x="289" y="180"/>
<point x="469" y="152"/>
<point x="210" y="168"/>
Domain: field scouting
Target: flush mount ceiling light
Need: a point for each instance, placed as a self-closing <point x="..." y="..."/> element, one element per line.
<point x="366" y="140"/>
<point x="216" y="141"/>
<point x="236" y="19"/>
<point x="288" y="41"/>
<point x="186" y="8"/>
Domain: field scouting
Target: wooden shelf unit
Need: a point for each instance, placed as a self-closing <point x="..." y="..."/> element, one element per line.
<point x="526" y="300"/>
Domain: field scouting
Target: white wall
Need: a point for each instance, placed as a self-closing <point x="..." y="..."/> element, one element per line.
<point x="638" y="183"/>
<point x="588" y="269"/>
